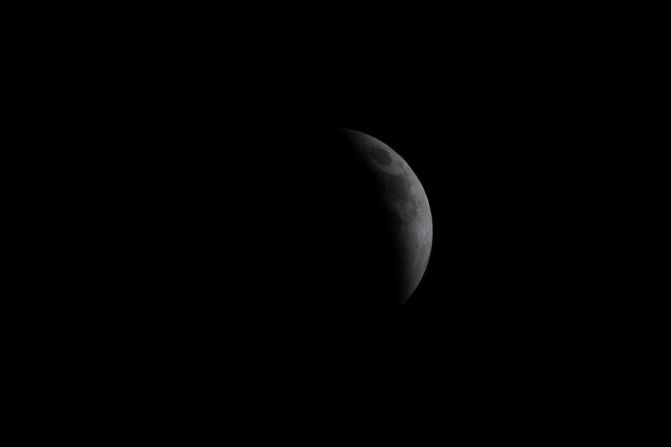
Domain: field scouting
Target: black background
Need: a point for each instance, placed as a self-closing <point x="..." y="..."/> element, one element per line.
<point x="199" y="152"/>
<point x="225" y="181"/>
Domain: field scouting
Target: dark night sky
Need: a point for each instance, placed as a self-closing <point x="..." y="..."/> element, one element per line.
<point x="210" y="217"/>
<point x="501" y="154"/>
<point x="199" y="262"/>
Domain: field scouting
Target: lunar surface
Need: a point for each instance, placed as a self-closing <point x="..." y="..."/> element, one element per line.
<point x="407" y="205"/>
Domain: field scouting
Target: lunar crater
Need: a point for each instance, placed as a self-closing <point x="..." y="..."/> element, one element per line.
<point x="381" y="156"/>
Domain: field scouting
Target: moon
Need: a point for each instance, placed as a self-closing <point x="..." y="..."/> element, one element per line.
<point x="406" y="204"/>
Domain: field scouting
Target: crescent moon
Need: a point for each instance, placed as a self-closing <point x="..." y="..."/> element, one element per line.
<point x="407" y="204"/>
